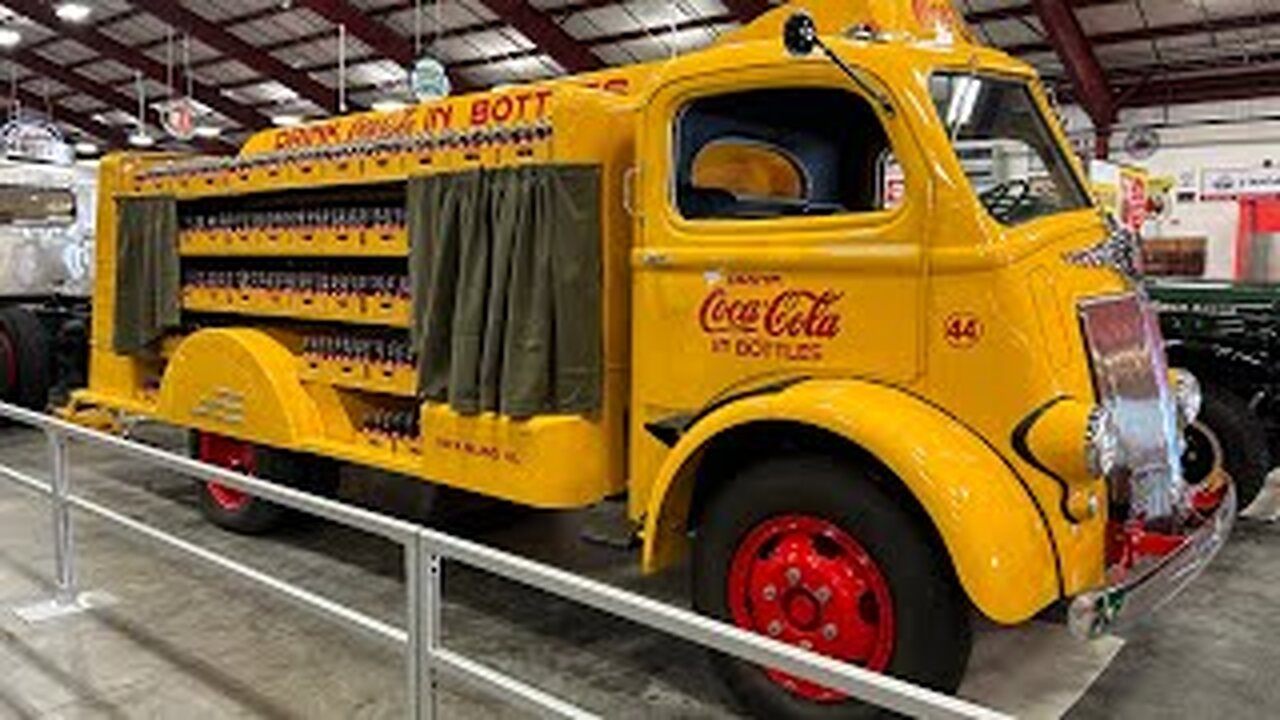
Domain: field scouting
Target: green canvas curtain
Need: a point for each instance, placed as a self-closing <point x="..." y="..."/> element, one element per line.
<point x="148" y="277"/>
<point x="506" y="270"/>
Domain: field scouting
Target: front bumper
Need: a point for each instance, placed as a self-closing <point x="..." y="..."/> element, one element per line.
<point x="1097" y="612"/>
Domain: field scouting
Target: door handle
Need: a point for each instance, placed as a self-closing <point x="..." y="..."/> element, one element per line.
<point x="654" y="259"/>
<point x="629" y="180"/>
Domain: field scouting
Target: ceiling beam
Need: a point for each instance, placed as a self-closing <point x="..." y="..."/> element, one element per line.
<point x="103" y="93"/>
<point x="1064" y="33"/>
<point x="385" y="11"/>
<point x="101" y="19"/>
<point x="1022" y="12"/>
<point x="522" y="54"/>
<point x="231" y="46"/>
<point x="546" y="34"/>
<point x="385" y="41"/>
<point x="373" y="33"/>
<point x="1164" y="32"/>
<point x="744" y="11"/>
<point x="42" y="14"/>
<point x="1204" y="88"/>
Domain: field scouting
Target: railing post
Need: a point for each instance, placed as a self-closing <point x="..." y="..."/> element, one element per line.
<point x="67" y="599"/>
<point x="413" y="625"/>
<point x="422" y="579"/>
<point x="432" y="602"/>
<point x="63" y="542"/>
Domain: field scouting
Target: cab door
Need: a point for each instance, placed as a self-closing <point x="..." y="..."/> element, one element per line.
<point x="780" y="218"/>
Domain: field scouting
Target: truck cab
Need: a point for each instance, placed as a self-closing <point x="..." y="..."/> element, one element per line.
<point x="829" y="301"/>
<point x="907" y="273"/>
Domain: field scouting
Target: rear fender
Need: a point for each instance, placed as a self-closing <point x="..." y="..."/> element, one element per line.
<point x="241" y="383"/>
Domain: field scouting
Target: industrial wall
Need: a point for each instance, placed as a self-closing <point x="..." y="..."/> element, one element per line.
<point x="1193" y="139"/>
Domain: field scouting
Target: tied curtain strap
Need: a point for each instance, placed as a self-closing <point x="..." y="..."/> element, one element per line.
<point x="506" y="272"/>
<point x="148" y="277"/>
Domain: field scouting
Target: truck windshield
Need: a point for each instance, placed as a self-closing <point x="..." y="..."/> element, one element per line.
<point x="1016" y="166"/>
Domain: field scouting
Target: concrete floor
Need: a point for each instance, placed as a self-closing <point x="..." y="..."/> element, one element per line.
<point x="187" y="641"/>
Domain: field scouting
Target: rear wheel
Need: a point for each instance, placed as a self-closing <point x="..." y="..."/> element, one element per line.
<point x="1227" y="437"/>
<point x="239" y="512"/>
<point x="24" y="359"/>
<point x="817" y="553"/>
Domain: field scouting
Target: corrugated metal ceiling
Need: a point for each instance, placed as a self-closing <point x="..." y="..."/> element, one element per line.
<point x="1138" y="42"/>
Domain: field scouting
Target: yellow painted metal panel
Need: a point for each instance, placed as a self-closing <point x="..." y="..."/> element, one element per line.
<point x="964" y="325"/>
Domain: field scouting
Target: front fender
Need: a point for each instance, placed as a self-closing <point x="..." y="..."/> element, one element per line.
<point x="996" y="535"/>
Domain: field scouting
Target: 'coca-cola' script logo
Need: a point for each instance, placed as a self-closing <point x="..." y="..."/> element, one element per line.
<point x="789" y="314"/>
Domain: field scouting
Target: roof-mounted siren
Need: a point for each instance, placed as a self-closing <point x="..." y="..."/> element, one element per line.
<point x="939" y="21"/>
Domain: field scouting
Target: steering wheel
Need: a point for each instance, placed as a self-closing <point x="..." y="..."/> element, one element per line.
<point x="1005" y="199"/>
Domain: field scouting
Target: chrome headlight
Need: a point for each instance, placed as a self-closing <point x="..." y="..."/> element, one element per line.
<point x="1186" y="395"/>
<point x="1102" y="447"/>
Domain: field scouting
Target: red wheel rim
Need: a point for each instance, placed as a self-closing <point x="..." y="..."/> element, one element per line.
<point x="232" y="455"/>
<point x="805" y="581"/>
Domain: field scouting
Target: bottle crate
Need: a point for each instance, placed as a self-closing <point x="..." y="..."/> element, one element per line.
<point x="360" y="362"/>
<point x="343" y="231"/>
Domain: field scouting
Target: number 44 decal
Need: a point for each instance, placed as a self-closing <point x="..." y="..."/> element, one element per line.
<point x="963" y="330"/>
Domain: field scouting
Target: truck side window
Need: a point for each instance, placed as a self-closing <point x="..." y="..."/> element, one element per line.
<point x="780" y="152"/>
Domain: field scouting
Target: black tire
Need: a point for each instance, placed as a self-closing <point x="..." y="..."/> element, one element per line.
<point x="71" y="355"/>
<point x="400" y="496"/>
<point x="932" y="615"/>
<point x="1229" y="434"/>
<point x="27" y="348"/>
<point x="259" y="517"/>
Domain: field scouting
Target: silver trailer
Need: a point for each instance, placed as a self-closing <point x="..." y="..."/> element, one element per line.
<point x="46" y="230"/>
<point x="47" y="216"/>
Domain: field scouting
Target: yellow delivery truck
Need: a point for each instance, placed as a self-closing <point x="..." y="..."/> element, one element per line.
<point x="830" y="301"/>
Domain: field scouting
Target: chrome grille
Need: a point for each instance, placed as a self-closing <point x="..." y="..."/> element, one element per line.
<point x="1131" y="379"/>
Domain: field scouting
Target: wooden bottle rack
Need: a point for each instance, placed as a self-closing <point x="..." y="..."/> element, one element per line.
<point x="295" y="242"/>
<point x="381" y="378"/>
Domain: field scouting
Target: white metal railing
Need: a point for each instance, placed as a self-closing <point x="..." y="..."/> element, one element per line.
<point x="425" y="551"/>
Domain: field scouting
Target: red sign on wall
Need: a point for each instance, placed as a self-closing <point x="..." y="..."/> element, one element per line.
<point x="1133" y="193"/>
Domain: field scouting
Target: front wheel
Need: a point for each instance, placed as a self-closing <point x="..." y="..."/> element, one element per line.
<point x="1227" y="437"/>
<point x="818" y="553"/>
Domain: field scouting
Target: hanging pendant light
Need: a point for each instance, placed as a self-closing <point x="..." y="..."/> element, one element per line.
<point x="429" y="79"/>
<point x="180" y="116"/>
<point x="73" y="12"/>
